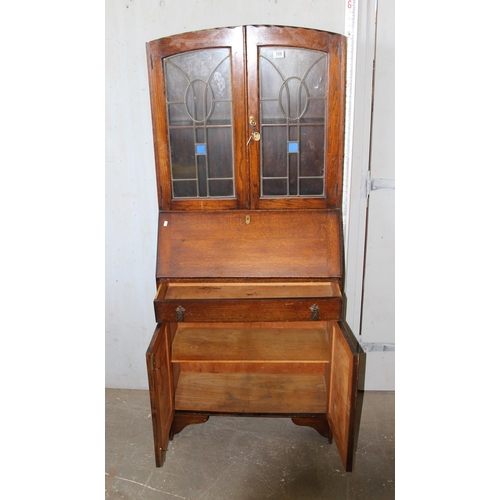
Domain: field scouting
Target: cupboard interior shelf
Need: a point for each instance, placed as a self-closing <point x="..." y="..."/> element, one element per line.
<point x="251" y="343"/>
<point x="251" y="393"/>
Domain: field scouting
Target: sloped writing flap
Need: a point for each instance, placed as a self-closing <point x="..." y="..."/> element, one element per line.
<point x="249" y="244"/>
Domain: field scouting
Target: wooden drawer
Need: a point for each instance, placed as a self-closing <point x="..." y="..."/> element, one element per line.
<point x="221" y="302"/>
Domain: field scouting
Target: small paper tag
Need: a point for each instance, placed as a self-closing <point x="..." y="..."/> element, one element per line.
<point x="279" y="54"/>
<point x="165" y="223"/>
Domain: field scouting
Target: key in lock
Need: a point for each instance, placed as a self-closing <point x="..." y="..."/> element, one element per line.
<point x="255" y="136"/>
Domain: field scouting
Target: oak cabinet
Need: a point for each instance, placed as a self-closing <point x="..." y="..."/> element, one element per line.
<point x="248" y="127"/>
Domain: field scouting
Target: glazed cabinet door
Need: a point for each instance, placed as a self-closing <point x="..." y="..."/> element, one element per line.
<point x="160" y="390"/>
<point x="296" y="97"/>
<point x="248" y="117"/>
<point x="198" y="101"/>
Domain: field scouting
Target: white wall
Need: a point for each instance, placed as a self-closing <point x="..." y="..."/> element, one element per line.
<point x="378" y="321"/>
<point x="131" y="205"/>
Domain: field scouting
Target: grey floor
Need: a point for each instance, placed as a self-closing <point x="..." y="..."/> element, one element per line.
<point x="246" y="458"/>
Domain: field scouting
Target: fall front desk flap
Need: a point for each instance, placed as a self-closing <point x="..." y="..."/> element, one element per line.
<point x="250" y="244"/>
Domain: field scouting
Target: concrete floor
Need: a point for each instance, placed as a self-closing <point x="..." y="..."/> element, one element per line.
<point x="246" y="458"/>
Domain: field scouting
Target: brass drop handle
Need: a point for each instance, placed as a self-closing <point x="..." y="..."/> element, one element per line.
<point x="314" y="312"/>
<point x="180" y="314"/>
<point x="254" y="135"/>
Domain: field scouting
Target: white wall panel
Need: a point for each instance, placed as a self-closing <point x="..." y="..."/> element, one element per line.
<point x="370" y="276"/>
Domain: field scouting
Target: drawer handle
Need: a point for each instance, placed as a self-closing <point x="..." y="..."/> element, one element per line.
<point x="180" y="314"/>
<point x="314" y="312"/>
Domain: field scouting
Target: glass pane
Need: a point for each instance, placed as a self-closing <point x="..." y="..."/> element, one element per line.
<point x="221" y="114"/>
<point x="312" y="151"/>
<point x="183" y="162"/>
<point x="311" y="187"/>
<point x="270" y="112"/>
<point x="198" y="87"/>
<point x="177" y="115"/>
<point x="185" y="189"/>
<point x="202" y="175"/>
<point x="221" y="187"/>
<point x="275" y="187"/>
<point x="293" y="84"/>
<point x="220" y="154"/>
<point x="315" y="112"/>
<point x="273" y="152"/>
<point x="292" y="174"/>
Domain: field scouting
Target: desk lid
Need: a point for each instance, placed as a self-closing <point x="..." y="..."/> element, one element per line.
<point x="249" y="244"/>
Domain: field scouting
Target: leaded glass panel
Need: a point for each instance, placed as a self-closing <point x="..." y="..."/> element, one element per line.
<point x="199" y="106"/>
<point x="293" y="85"/>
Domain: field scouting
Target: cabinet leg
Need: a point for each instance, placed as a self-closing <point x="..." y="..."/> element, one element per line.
<point x="182" y="420"/>
<point x="320" y="424"/>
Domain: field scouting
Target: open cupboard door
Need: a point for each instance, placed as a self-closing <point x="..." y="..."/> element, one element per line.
<point x="160" y="390"/>
<point x="343" y="391"/>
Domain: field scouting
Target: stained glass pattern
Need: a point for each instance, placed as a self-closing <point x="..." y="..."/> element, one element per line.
<point x="293" y="85"/>
<point x="198" y="86"/>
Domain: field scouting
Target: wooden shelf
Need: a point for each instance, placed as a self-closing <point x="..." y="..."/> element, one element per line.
<point x="250" y="393"/>
<point x="251" y="343"/>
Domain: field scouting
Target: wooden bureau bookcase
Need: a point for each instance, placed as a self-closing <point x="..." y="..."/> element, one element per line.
<point x="248" y="127"/>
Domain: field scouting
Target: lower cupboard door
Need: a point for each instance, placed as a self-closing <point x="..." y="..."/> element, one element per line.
<point x="343" y="391"/>
<point x="160" y="390"/>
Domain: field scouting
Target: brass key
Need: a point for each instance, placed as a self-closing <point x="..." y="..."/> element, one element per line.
<point x="255" y="136"/>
